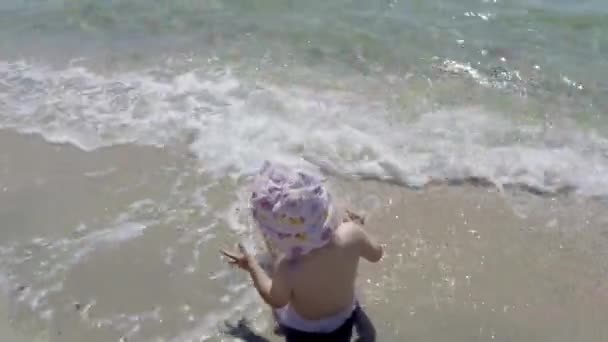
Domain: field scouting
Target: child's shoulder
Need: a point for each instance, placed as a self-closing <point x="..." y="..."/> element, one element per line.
<point x="349" y="232"/>
<point x="348" y="227"/>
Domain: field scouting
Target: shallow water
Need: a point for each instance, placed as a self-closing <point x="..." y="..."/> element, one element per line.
<point x="129" y="129"/>
<point x="115" y="257"/>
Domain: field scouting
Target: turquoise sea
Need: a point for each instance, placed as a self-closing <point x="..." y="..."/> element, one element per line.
<point x="509" y="91"/>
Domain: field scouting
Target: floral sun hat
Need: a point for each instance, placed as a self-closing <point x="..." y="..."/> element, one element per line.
<point x="292" y="209"/>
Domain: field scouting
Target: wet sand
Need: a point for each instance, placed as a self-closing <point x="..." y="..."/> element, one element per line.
<point x="461" y="266"/>
<point x="122" y="243"/>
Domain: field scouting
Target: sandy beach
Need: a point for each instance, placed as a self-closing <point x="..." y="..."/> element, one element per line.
<point x="121" y="257"/>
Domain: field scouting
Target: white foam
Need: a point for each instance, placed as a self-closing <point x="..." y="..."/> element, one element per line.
<point x="465" y="68"/>
<point x="501" y="79"/>
<point x="46" y="261"/>
<point x="232" y="124"/>
<point x="128" y="324"/>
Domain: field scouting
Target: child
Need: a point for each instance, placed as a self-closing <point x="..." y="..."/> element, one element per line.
<point x="312" y="286"/>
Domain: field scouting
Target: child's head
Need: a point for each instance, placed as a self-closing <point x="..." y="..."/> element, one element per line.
<point x="292" y="209"/>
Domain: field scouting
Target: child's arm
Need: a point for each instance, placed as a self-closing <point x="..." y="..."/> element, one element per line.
<point x="369" y="248"/>
<point x="274" y="291"/>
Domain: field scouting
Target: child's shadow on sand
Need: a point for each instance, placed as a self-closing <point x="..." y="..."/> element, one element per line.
<point x="242" y="330"/>
<point x="365" y="330"/>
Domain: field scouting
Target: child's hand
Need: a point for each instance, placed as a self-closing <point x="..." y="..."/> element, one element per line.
<point x="352" y="217"/>
<point x="242" y="259"/>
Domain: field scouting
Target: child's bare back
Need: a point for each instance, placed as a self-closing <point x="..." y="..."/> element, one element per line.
<point x="323" y="282"/>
